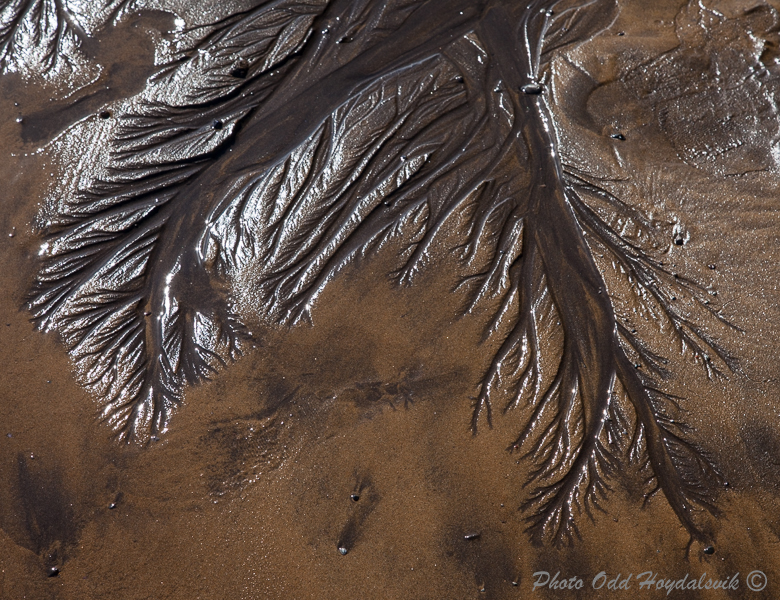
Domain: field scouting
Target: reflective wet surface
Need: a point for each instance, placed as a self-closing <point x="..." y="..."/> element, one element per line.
<point x="401" y="299"/>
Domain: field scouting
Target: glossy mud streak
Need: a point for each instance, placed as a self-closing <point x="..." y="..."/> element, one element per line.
<point x="404" y="299"/>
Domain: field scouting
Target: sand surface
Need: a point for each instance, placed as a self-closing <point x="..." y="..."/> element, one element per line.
<point x="351" y="450"/>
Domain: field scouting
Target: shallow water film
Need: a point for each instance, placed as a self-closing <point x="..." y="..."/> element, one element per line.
<point x="389" y="299"/>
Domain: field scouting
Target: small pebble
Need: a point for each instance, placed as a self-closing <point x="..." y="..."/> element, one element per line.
<point x="531" y="89"/>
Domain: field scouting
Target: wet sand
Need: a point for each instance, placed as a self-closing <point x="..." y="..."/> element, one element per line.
<point x="338" y="458"/>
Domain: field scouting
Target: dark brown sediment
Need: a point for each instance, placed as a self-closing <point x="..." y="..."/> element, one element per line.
<point x="381" y="440"/>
